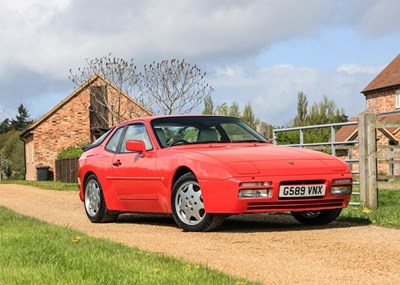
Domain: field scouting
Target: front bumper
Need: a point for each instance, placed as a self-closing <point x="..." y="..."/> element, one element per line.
<point x="223" y="196"/>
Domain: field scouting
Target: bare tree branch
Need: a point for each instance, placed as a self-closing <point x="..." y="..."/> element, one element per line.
<point x="166" y="87"/>
<point x="120" y="73"/>
<point x="174" y="86"/>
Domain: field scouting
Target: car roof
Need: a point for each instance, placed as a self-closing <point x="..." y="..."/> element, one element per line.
<point x="150" y="118"/>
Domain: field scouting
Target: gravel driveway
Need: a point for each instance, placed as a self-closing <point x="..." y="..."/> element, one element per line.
<point x="273" y="249"/>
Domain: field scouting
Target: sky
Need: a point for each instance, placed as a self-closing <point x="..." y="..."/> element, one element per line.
<point x="261" y="52"/>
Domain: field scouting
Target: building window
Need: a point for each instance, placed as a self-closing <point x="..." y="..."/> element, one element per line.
<point x="398" y="99"/>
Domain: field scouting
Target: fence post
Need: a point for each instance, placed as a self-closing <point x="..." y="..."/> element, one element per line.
<point x="333" y="140"/>
<point x="367" y="160"/>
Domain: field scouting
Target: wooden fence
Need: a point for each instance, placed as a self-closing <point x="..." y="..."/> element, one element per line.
<point x="67" y="170"/>
<point x="369" y="154"/>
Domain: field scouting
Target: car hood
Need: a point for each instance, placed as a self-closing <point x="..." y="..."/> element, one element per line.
<point x="271" y="159"/>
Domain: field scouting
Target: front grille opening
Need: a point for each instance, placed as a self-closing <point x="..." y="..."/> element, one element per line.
<point x="293" y="205"/>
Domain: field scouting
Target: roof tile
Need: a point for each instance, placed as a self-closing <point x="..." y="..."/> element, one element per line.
<point x="389" y="76"/>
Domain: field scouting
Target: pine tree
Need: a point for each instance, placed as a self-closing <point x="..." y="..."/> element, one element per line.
<point x="22" y="119"/>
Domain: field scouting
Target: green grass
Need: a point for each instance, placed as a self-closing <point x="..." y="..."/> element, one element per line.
<point x="49" y="185"/>
<point x="34" y="252"/>
<point x="386" y="215"/>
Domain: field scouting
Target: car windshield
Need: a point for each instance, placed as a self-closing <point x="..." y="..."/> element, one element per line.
<point x="171" y="131"/>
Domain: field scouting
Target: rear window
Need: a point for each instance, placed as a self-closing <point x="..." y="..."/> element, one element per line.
<point x="97" y="142"/>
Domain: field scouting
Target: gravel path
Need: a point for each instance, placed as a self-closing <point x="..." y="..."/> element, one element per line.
<point x="273" y="249"/>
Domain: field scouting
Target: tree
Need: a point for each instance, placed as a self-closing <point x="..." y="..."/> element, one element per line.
<point x="5" y="126"/>
<point x="302" y="105"/>
<point x="248" y="116"/>
<point x="224" y="109"/>
<point x="234" y="110"/>
<point x="11" y="155"/>
<point x="174" y="86"/>
<point x="208" y="105"/>
<point x="120" y="73"/>
<point x="323" y="112"/>
<point x="22" y="119"/>
<point x="166" y="87"/>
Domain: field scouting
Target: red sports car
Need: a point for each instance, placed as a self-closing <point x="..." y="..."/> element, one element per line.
<point x="202" y="168"/>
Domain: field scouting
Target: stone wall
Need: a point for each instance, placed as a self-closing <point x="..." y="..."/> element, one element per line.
<point x="381" y="102"/>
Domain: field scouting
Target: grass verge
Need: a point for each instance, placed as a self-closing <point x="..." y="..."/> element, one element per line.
<point x="34" y="252"/>
<point x="49" y="185"/>
<point x="386" y="215"/>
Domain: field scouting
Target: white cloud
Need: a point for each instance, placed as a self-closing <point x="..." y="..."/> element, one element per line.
<point x="356" y="68"/>
<point x="49" y="37"/>
<point x="43" y="39"/>
<point x="381" y="18"/>
<point x="272" y="91"/>
<point x="52" y="36"/>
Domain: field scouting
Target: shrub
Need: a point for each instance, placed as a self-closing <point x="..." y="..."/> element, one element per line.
<point x="71" y="152"/>
<point x="12" y="155"/>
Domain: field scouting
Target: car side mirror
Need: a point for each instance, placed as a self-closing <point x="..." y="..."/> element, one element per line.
<point x="136" y="146"/>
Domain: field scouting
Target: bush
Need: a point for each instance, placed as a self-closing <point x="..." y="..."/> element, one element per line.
<point x="71" y="152"/>
<point x="12" y="155"/>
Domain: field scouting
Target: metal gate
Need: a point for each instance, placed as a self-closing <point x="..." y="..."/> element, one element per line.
<point x="366" y="164"/>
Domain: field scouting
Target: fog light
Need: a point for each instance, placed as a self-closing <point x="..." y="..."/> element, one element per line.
<point x="256" y="193"/>
<point x="342" y="186"/>
<point x="341" y="190"/>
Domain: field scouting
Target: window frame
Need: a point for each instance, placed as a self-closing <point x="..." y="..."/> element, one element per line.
<point x="122" y="131"/>
<point x="122" y="138"/>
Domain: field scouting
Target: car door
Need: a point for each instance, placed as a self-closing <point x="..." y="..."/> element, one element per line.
<point x="133" y="174"/>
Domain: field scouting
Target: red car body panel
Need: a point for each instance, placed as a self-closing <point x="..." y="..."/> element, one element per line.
<point x="135" y="182"/>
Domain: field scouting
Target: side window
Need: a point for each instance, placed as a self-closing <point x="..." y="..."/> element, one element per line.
<point x="136" y="132"/>
<point x="112" y="144"/>
<point x="398" y="99"/>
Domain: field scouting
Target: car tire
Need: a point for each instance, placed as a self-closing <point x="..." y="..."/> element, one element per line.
<point x="317" y="217"/>
<point x="94" y="203"/>
<point x="188" y="208"/>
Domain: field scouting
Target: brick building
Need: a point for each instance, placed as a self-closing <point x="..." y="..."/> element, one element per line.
<point x="382" y="97"/>
<point x="382" y="94"/>
<point x="77" y="120"/>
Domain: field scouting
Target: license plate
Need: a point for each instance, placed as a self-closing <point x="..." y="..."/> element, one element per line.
<point x="312" y="190"/>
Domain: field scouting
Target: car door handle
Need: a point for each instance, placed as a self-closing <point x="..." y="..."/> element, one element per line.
<point x="117" y="163"/>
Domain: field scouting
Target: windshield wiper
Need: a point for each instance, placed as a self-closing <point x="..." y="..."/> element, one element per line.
<point x="207" y="142"/>
<point x="249" y="141"/>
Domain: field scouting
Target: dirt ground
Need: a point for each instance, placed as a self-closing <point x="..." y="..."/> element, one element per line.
<point x="273" y="249"/>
